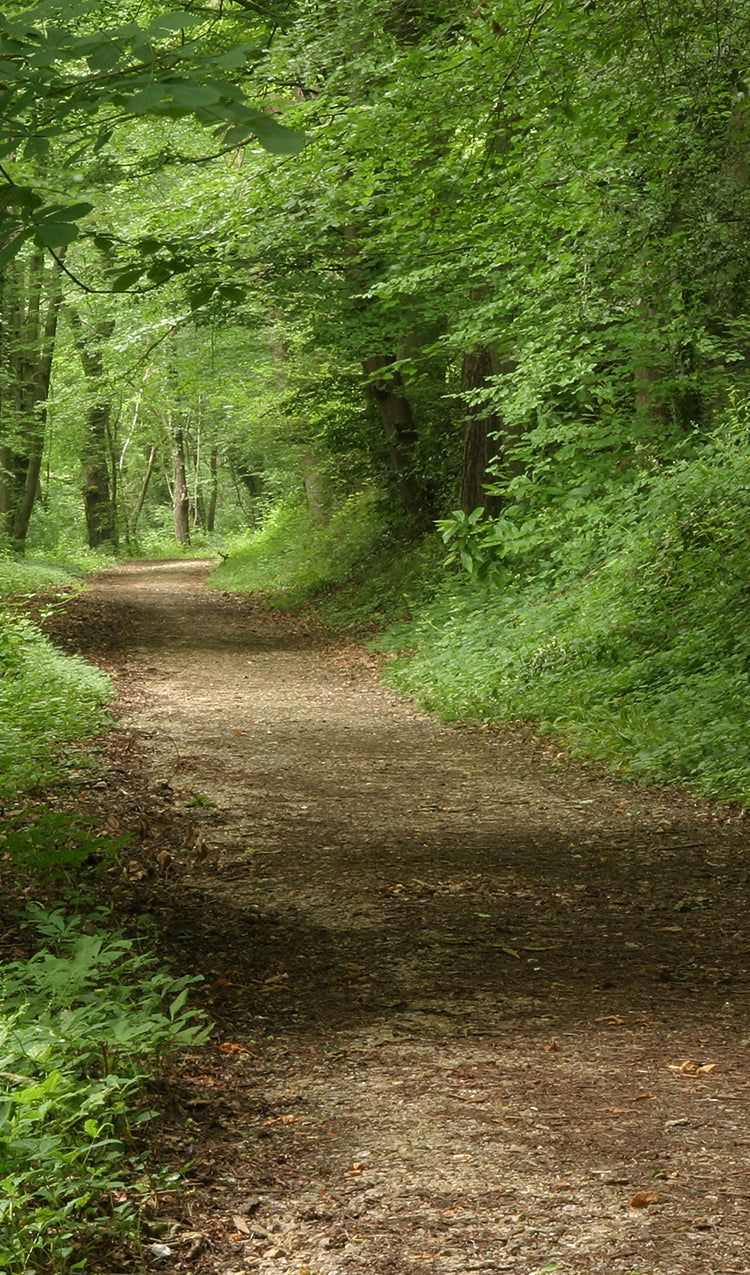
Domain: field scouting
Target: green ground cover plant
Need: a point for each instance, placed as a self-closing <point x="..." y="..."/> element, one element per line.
<point x="625" y="633"/>
<point x="47" y="698"/>
<point x="89" y="1021"/>
<point x="84" y="1026"/>
<point x="357" y="569"/>
<point x="294" y="552"/>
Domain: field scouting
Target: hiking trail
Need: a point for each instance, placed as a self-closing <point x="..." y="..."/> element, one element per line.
<point x="478" y="1007"/>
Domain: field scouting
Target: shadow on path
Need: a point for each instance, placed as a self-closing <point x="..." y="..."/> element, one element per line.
<point x="471" y="999"/>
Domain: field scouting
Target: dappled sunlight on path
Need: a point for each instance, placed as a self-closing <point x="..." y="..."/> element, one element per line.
<point x="467" y="986"/>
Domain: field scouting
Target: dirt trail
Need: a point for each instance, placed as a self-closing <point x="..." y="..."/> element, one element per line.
<point x="478" y="1009"/>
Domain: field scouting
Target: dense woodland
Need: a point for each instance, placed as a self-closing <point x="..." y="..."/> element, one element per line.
<point x="435" y="316"/>
<point x="464" y="288"/>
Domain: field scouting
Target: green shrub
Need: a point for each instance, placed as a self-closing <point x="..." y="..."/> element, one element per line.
<point x="629" y="637"/>
<point x="83" y="1026"/>
<point x="294" y="552"/>
<point x="46" y="699"/>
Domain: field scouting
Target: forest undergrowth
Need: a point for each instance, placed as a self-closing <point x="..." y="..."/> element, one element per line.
<point x="616" y="623"/>
<point x="89" y="1018"/>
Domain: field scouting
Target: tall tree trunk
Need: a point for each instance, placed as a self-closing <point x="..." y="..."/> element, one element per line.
<point x="479" y="446"/>
<point x="97" y="485"/>
<point x="29" y="308"/>
<point x="181" y="498"/>
<point x="98" y="491"/>
<point x="316" y="488"/>
<point x="213" y="493"/>
<point x="386" y="387"/>
<point x="144" y="488"/>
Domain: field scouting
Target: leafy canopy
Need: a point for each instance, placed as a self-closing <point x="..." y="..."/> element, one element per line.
<point x="72" y="73"/>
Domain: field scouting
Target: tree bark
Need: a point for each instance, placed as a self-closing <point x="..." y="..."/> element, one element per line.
<point x="181" y="498"/>
<point x="386" y="386"/>
<point x="98" y="496"/>
<point x="30" y="303"/>
<point x="316" y="488"/>
<point x="480" y="446"/>
<point x="213" y="494"/>
<point x="144" y="488"/>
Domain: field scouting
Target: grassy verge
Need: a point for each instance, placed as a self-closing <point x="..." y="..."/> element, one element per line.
<point x="47" y="698"/>
<point x="85" y="1025"/>
<point x="632" y="645"/>
<point x="354" y="568"/>
<point x="88" y="1018"/>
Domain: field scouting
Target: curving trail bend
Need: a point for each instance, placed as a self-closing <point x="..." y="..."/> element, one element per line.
<point x="464" y="988"/>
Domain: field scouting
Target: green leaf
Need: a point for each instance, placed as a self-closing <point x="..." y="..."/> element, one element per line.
<point x="73" y="211"/>
<point x="55" y="234"/>
<point x="273" y="137"/>
<point x="179" y="20"/>
<point x="190" y="95"/>
<point x="19" y="196"/>
<point x="237" y="57"/>
<point x="105" y="57"/>
<point x="178" y="1002"/>
<point x="126" y="279"/>
<point x="101" y="140"/>
<point x="143" y="50"/>
<point x="36" y="148"/>
<point x="159" y="273"/>
<point x="147" y="99"/>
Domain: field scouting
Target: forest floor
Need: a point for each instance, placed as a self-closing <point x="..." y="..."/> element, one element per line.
<point x="478" y="1007"/>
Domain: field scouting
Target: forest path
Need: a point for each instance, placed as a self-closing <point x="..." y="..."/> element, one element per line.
<point x="472" y="1000"/>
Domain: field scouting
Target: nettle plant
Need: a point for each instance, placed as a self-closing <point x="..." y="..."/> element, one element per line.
<point x="487" y="548"/>
<point x="84" y="1025"/>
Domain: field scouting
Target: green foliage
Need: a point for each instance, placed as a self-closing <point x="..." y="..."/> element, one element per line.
<point x="83" y="1025"/>
<point x="35" y="578"/>
<point x="47" y="698"/>
<point x="295" y="552"/>
<point x="487" y="547"/>
<point x="632" y="645"/>
<point x="66" y="65"/>
<point x="57" y="847"/>
<point x="393" y="582"/>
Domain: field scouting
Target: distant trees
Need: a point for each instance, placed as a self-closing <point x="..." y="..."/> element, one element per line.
<point x="508" y="267"/>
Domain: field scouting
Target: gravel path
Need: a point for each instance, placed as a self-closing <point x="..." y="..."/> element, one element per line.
<point x="478" y="1008"/>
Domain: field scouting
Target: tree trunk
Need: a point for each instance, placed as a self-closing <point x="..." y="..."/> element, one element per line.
<point x="181" y="498"/>
<point x="99" y="505"/>
<point x="213" y="494"/>
<point x="481" y="426"/>
<point x="316" y="488"/>
<point x="144" y="488"/>
<point x="30" y="303"/>
<point x="98" y="496"/>
<point x="386" y="387"/>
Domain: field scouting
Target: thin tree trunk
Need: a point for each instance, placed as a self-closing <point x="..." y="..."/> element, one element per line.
<point x="213" y="490"/>
<point x="386" y="386"/>
<point x="144" y="488"/>
<point x="181" y="497"/>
